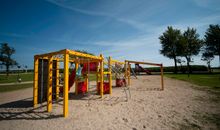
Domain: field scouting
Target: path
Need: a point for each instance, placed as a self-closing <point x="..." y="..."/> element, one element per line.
<point x="16" y="83"/>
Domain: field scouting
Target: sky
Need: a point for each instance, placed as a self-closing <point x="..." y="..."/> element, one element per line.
<point x="123" y="29"/>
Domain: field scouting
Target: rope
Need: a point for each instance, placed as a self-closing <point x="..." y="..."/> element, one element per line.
<point x="132" y="70"/>
<point x="119" y="71"/>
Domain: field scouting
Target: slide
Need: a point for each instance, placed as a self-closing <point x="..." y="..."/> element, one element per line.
<point x="145" y="70"/>
<point x="72" y="78"/>
<point x="141" y="69"/>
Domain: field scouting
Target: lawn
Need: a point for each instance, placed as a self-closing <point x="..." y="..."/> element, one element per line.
<point x="12" y="78"/>
<point x="18" y="86"/>
<point x="207" y="80"/>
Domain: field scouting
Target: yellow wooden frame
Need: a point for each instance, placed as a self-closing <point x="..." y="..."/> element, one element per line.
<point x="128" y="68"/>
<point x="67" y="57"/>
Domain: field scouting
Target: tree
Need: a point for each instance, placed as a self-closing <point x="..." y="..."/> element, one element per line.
<point x="5" y="56"/>
<point x="208" y="57"/>
<point x="170" y="41"/>
<point x="212" y="40"/>
<point x="191" y="45"/>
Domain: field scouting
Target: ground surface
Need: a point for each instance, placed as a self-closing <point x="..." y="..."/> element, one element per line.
<point x="179" y="106"/>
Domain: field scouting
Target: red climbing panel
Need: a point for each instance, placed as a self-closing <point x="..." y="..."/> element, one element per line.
<point x="92" y="67"/>
<point x="82" y="87"/>
<point x="106" y="88"/>
<point x="120" y="82"/>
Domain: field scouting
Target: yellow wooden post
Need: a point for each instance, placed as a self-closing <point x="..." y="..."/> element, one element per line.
<point x="126" y="72"/>
<point x="129" y="74"/>
<point x="162" y="83"/>
<point x="87" y="82"/>
<point x="66" y="84"/>
<point x="35" y="88"/>
<point x="49" y="84"/>
<point x="97" y="79"/>
<point x="110" y="75"/>
<point x="101" y="75"/>
<point x="76" y="80"/>
<point x="57" y="80"/>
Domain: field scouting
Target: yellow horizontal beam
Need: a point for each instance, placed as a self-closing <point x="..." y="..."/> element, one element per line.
<point x="139" y="62"/>
<point x="116" y="61"/>
<point x="71" y="52"/>
<point x="83" y="61"/>
<point x="51" y="54"/>
<point x="107" y="72"/>
<point x="87" y="61"/>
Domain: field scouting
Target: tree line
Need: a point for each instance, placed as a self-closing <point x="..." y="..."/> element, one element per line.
<point x="7" y="61"/>
<point x="177" y="45"/>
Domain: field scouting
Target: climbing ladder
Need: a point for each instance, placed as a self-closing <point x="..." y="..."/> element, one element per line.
<point x="119" y="72"/>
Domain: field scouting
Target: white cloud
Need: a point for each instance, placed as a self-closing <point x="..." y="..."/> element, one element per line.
<point x="147" y="45"/>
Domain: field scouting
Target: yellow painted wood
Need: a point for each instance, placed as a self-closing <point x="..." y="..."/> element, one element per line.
<point x="49" y="85"/>
<point x="76" y="80"/>
<point x="139" y="62"/>
<point x="106" y="72"/>
<point x="57" y="80"/>
<point x="116" y="61"/>
<point x="52" y="53"/>
<point x="110" y="75"/>
<point x="87" y="82"/>
<point x="35" y="87"/>
<point x="66" y="84"/>
<point x="126" y="70"/>
<point x="129" y="74"/>
<point x="101" y="75"/>
<point x="71" y="52"/>
<point x="97" y="80"/>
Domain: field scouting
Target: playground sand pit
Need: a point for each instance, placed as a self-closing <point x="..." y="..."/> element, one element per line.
<point x="179" y="106"/>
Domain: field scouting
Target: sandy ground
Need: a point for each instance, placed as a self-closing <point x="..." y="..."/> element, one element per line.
<point x="179" y="106"/>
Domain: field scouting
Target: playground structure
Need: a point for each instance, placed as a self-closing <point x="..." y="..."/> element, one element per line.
<point x="128" y="70"/>
<point x="118" y="68"/>
<point x="47" y="85"/>
<point x="46" y="75"/>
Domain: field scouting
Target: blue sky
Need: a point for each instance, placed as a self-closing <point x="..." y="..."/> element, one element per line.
<point x="123" y="29"/>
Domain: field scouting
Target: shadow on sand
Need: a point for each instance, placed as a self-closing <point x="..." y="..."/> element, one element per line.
<point x="23" y="110"/>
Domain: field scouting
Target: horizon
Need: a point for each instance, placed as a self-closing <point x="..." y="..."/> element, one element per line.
<point x="125" y="30"/>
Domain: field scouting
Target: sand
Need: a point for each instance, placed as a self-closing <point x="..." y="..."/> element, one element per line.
<point x="179" y="106"/>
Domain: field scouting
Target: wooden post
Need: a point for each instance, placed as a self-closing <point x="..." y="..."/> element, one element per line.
<point x="126" y="73"/>
<point x="87" y="82"/>
<point x="35" y="87"/>
<point x="76" y="80"/>
<point x="162" y="82"/>
<point x="97" y="80"/>
<point x="49" y="84"/>
<point x="66" y="84"/>
<point x="110" y="75"/>
<point x="129" y="74"/>
<point x="101" y="75"/>
<point x="57" y="80"/>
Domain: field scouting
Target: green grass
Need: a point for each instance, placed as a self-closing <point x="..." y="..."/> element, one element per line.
<point x="12" y="78"/>
<point x="8" y="88"/>
<point x="26" y="77"/>
<point x="207" y="80"/>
